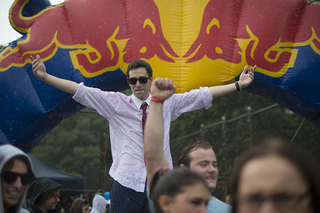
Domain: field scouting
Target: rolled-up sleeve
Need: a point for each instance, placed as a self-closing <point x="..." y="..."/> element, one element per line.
<point x="189" y="101"/>
<point x="79" y="94"/>
<point x="206" y="97"/>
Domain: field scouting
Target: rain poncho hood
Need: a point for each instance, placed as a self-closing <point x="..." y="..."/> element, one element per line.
<point x="99" y="204"/>
<point x="7" y="152"/>
<point x="37" y="188"/>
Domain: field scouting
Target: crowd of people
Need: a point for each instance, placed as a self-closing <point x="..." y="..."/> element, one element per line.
<point x="270" y="178"/>
<point x="21" y="192"/>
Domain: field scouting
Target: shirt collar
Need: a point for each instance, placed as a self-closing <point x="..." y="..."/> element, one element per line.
<point x="138" y="101"/>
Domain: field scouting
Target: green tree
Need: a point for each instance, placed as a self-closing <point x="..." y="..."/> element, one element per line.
<point x="74" y="146"/>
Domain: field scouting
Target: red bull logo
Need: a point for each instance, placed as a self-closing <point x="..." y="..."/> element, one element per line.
<point x="98" y="36"/>
<point x="214" y="45"/>
<point x="267" y="36"/>
<point x="195" y="43"/>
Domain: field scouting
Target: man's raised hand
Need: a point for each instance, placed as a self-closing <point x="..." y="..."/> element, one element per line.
<point x="162" y="88"/>
<point x="38" y="67"/>
<point x="246" y="78"/>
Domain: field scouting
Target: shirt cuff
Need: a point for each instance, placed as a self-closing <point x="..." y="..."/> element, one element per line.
<point x="206" y="97"/>
<point x="79" y="93"/>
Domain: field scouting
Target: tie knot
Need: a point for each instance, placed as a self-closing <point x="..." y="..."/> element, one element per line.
<point x="143" y="105"/>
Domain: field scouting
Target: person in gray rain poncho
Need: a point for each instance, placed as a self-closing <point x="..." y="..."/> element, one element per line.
<point x="43" y="196"/>
<point x="16" y="175"/>
<point x="99" y="204"/>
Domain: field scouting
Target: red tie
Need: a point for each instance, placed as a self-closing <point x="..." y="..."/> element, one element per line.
<point x="144" y="114"/>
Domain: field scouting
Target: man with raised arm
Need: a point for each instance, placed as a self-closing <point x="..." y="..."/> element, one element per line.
<point x="198" y="156"/>
<point x="125" y="115"/>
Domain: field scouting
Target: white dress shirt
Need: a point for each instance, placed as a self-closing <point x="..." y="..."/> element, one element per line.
<point x="125" y="116"/>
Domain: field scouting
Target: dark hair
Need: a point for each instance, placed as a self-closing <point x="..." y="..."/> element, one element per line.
<point x="135" y="64"/>
<point x="173" y="183"/>
<point x="8" y="166"/>
<point x="46" y="196"/>
<point x="277" y="147"/>
<point x="184" y="157"/>
<point x="77" y="205"/>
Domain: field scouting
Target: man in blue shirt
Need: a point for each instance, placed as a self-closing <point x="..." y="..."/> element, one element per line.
<point x="200" y="157"/>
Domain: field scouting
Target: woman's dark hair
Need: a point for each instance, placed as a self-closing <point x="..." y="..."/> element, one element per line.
<point x="173" y="183"/>
<point x="77" y="205"/>
<point x="8" y="166"/>
<point x="277" y="147"/>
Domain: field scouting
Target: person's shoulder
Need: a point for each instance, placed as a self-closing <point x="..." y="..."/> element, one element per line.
<point x="33" y="209"/>
<point x="24" y="210"/>
<point x="218" y="206"/>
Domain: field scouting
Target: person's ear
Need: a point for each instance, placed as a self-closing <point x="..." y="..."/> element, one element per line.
<point x="164" y="203"/>
<point x="151" y="79"/>
<point x="182" y="166"/>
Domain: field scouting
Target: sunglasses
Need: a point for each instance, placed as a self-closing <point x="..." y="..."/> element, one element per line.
<point x="142" y="80"/>
<point x="11" y="177"/>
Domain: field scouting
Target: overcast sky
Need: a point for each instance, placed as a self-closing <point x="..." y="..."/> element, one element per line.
<point x="8" y="34"/>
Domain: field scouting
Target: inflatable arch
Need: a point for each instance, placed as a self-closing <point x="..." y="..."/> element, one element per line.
<point x="196" y="43"/>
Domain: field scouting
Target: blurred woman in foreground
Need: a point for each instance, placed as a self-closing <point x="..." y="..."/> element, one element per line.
<point x="274" y="178"/>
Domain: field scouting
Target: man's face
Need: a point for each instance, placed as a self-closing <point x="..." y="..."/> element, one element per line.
<point x="140" y="90"/>
<point x="204" y="162"/>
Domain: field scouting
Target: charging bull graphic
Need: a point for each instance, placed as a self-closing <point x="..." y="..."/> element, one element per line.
<point x="196" y="43"/>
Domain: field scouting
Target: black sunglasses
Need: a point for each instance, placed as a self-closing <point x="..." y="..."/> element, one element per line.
<point x="11" y="177"/>
<point x="142" y="80"/>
